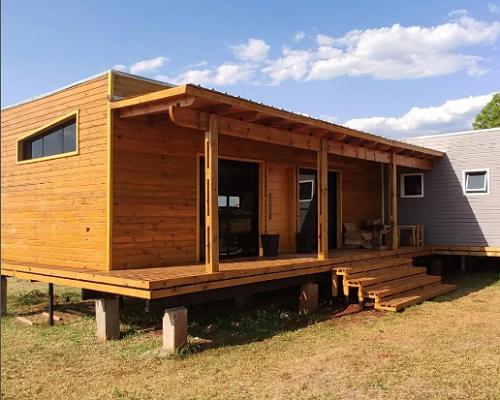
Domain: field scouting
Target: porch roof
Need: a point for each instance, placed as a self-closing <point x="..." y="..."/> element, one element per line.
<point x="189" y="106"/>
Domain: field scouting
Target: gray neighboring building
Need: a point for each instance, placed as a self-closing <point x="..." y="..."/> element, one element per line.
<point x="459" y="201"/>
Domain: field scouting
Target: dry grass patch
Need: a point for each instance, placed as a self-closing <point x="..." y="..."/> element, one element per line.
<point x="444" y="349"/>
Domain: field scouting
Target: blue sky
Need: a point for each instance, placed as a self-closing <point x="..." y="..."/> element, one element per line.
<point x="396" y="68"/>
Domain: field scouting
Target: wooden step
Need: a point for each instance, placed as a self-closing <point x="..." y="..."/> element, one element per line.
<point x="371" y="265"/>
<point x="371" y="278"/>
<point x="402" y="285"/>
<point x="398" y="302"/>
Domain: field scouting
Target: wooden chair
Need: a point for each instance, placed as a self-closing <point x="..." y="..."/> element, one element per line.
<point x="420" y="235"/>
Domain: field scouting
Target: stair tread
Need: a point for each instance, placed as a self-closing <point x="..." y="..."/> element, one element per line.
<point x="370" y="265"/>
<point x="385" y="272"/>
<point x="401" y="283"/>
<point x="415" y="296"/>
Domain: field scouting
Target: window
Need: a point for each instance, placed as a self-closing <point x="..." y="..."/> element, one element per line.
<point x="56" y="139"/>
<point x="412" y="185"/>
<point x="476" y="181"/>
<point x="306" y="190"/>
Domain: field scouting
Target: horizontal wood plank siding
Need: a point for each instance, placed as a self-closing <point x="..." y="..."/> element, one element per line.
<point x="155" y="188"/>
<point x="126" y="86"/>
<point x="54" y="211"/>
<point x="450" y="217"/>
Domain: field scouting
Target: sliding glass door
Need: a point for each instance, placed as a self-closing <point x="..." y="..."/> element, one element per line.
<point x="238" y="208"/>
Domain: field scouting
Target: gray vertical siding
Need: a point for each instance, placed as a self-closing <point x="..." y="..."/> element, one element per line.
<point x="451" y="217"/>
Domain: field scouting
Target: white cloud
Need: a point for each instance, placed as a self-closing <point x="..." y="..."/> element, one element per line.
<point x="256" y="50"/>
<point x="148" y="65"/>
<point x="120" y="67"/>
<point x="294" y="64"/>
<point x="457" y="13"/>
<point x="324" y="40"/>
<point x="395" y="52"/>
<point x="452" y="116"/>
<point x="299" y="36"/>
<point x="329" y="118"/>
<point x="225" y="74"/>
<point x="199" y="64"/>
<point x="493" y="8"/>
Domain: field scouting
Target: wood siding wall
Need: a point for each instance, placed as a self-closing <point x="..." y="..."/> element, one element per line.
<point x="54" y="211"/>
<point x="126" y="86"/>
<point x="451" y="217"/>
<point x="281" y="189"/>
<point x="156" y="182"/>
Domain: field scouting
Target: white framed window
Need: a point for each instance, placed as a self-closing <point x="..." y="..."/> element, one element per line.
<point x="476" y="181"/>
<point x="306" y="190"/>
<point x="412" y="185"/>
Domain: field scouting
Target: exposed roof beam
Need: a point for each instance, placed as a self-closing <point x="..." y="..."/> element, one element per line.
<point x="227" y="126"/>
<point x="369" y="144"/>
<point x="156" y="107"/>
<point x="383" y="147"/>
<point x="211" y="95"/>
<point x="322" y="133"/>
<point x="238" y="102"/>
<point x="272" y="122"/>
<point x="245" y="115"/>
<point x="216" y="109"/>
<point x="407" y="152"/>
<point x="354" y="141"/>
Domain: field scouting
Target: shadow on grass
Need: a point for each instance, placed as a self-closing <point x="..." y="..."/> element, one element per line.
<point x="218" y="324"/>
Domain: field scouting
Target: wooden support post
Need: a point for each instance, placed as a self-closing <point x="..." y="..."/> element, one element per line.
<point x="323" y="201"/>
<point x="243" y="302"/>
<point x="308" y="298"/>
<point x="212" y="195"/>
<point x="51" y="305"/>
<point x="4" y="295"/>
<point x="393" y="202"/>
<point x="335" y="284"/>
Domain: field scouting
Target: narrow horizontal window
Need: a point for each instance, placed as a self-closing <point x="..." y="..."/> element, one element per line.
<point x="476" y="181"/>
<point x="412" y="185"/>
<point x="58" y="138"/>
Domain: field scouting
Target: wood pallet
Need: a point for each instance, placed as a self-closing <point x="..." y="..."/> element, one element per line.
<point x="393" y="283"/>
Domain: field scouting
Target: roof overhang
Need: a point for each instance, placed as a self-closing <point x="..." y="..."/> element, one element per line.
<point x="189" y="106"/>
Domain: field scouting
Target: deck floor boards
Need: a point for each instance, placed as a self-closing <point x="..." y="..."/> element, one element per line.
<point x="171" y="280"/>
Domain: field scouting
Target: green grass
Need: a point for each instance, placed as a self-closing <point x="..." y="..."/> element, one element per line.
<point x="448" y="348"/>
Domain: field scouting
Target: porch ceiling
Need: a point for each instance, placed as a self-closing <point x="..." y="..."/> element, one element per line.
<point x="189" y="106"/>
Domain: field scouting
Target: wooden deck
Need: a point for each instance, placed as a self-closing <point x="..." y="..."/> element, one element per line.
<point x="153" y="283"/>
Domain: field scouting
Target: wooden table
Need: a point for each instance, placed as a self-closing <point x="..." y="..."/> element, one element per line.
<point x="412" y="229"/>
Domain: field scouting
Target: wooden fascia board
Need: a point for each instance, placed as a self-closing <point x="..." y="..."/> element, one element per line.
<point x="227" y="126"/>
<point x="149" y="97"/>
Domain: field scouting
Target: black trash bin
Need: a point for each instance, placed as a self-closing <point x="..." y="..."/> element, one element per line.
<point x="270" y="244"/>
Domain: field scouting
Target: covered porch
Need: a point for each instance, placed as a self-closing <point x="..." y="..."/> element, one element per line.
<point x="297" y="143"/>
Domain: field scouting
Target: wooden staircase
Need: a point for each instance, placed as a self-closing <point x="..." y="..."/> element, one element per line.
<point x="392" y="283"/>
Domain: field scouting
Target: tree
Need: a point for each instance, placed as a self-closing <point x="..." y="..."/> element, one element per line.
<point x="489" y="117"/>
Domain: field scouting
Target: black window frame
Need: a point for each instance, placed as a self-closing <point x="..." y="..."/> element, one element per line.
<point x="25" y="145"/>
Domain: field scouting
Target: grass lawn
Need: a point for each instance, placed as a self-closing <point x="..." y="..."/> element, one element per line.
<point x="443" y="349"/>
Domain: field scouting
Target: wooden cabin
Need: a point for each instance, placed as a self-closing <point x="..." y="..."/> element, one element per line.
<point x="127" y="186"/>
